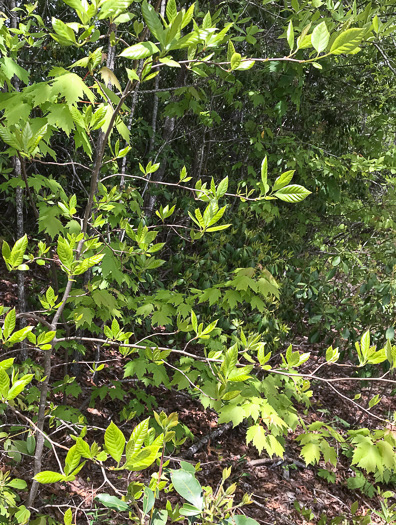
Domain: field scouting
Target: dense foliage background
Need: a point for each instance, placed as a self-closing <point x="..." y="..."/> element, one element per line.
<point x="187" y="190"/>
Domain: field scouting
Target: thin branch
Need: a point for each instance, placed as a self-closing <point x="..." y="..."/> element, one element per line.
<point x="63" y="164"/>
<point x="385" y="58"/>
<point x="153" y="335"/>
<point x="137" y="346"/>
<point x="196" y="387"/>
<point x="359" y="407"/>
<point x="35" y="427"/>
<point x="176" y="185"/>
<point x="110" y="483"/>
<point x="333" y="379"/>
<point x="36" y="318"/>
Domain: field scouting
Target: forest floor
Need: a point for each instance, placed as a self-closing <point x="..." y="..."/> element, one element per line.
<point x="277" y="485"/>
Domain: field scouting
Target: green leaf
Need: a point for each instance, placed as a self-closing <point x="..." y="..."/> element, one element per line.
<point x="64" y="33"/>
<point x="4" y="383"/>
<point x="232" y="394"/>
<point x="48" y="476"/>
<point x="65" y="253"/>
<point x="302" y="39"/>
<point x="357" y="482"/>
<point x="365" y="344"/>
<point x="264" y="173"/>
<point x="188" y="487"/>
<point x="208" y="329"/>
<point x="114" y="441"/>
<point x="293" y="193"/>
<point x="367" y="456"/>
<point x="137" y="438"/>
<point x="148" y="500"/>
<point x="72" y="88"/>
<point x="109" y="77"/>
<point x="112" y="502"/>
<point x="256" y="434"/>
<point x="189" y="510"/>
<point x="153" y="22"/>
<point x="332" y="355"/>
<point x="9" y="323"/>
<point x="283" y="180"/>
<point x="9" y="68"/>
<point x="171" y="10"/>
<point x="112" y="8"/>
<point x="20" y="335"/>
<point x="230" y="360"/>
<point x="160" y="517"/>
<point x="83" y="448"/>
<point x="169" y="62"/>
<point x="218" y="228"/>
<point x="240" y="374"/>
<point x="230" y="50"/>
<point x="194" y="321"/>
<point x="72" y="459"/>
<point x="16" y="483"/>
<point x="347" y="41"/>
<point x="18" y="251"/>
<point x="222" y="188"/>
<point x="188" y="15"/>
<point x="77" y="5"/>
<point x="235" y="61"/>
<point x="232" y="413"/>
<point x="320" y="37"/>
<point x="87" y="263"/>
<point x="18" y="386"/>
<point x="22" y="515"/>
<point x="46" y="337"/>
<point x="143" y="459"/>
<point x="141" y="50"/>
<point x="68" y="517"/>
<point x="5" y="249"/>
<point x="311" y="453"/>
<point x="6" y="363"/>
<point x="290" y="35"/>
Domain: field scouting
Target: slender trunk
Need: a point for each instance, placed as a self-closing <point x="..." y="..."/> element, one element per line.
<point x="207" y="155"/>
<point x="110" y="63"/>
<point x="130" y="120"/>
<point x="19" y="210"/>
<point x="40" y="440"/>
<point x="201" y="156"/>
<point x="167" y="134"/>
<point x="95" y="377"/>
<point x="154" y="123"/>
<point x="169" y="126"/>
<point x="21" y="274"/>
<point x="155" y="115"/>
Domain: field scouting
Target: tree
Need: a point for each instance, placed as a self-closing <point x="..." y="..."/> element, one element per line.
<point x="99" y="241"/>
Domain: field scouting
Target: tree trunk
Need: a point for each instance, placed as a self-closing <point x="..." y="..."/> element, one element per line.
<point x="19" y="208"/>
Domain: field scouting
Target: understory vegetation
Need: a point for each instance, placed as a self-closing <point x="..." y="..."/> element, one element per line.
<point x="197" y="294"/>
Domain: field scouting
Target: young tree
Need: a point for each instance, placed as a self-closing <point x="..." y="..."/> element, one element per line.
<point x="98" y="228"/>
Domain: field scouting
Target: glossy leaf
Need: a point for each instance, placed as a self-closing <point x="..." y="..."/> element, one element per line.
<point x="293" y="193"/>
<point x="112" y="502"/>
<point x="48" y="476"/>
<point x="114" y="441"/>
<point x="347" y="41"/>
<point x="188" y="487"/>
<point x="320" y="37"/>
<point x="141" y="50"/>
